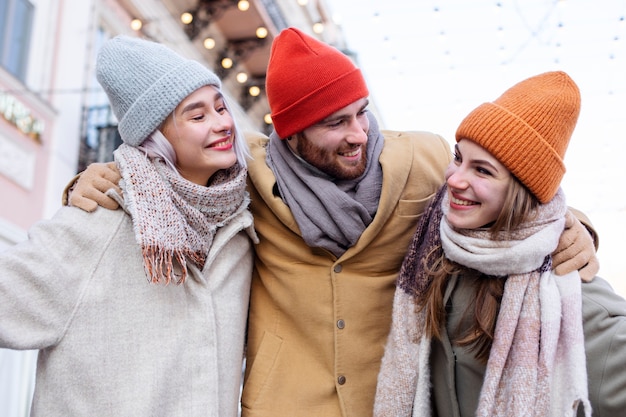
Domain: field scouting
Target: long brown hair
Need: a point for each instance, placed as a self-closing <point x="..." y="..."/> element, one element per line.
<point x="519" y="206"/>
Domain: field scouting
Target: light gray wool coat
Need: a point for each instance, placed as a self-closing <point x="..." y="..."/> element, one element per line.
<point x="112" y="344"/>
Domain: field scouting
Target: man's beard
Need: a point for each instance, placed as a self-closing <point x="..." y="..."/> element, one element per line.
<point x="329" y="162"/>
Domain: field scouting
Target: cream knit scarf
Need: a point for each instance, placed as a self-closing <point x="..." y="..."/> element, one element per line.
<point x="174" y="219"/>
<point x="537" y="364"/>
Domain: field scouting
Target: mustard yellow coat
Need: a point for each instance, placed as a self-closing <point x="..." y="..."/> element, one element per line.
<point x="318" y="324"/>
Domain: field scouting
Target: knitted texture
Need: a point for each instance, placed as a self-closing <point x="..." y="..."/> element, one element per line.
<point x="308" y="80"/>
<point x="528" y="129"/>
<point x="536" y="365"/>
<point x="145" y="81"/>
<point x="175" y="220"/>
<point x="403" y="387"/>
<point x="534" y="343"/>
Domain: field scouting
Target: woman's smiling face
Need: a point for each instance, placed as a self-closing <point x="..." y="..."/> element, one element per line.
<point x="201" y="133"/>
<point x="477" y="186"/>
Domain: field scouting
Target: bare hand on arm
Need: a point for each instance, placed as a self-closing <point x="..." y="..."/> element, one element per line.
<point x="89" y="191"/>
<point x="576" y="250"/>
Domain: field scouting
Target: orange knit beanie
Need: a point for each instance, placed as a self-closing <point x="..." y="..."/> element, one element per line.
<point x="528" y="129"/>
<point x="308" y="80"/>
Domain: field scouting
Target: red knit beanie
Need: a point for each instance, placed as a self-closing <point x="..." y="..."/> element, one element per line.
<point x="308" y="80"/>
<point x="528" y="129"/>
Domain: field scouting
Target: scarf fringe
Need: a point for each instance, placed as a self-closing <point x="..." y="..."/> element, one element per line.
<point x="175" y="220"/>
<point x="159" y="264"/>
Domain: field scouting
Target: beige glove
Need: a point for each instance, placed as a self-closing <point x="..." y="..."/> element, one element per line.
<point x="88" y="192"/>
<point x="576" y="250"/>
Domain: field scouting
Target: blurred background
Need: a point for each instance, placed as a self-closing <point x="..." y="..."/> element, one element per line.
<point x="427" y="63"/>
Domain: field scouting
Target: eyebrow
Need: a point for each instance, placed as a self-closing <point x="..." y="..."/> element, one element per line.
<point x="476" y="161"/>
<point x="198" y="104"/>
<point x="485" y="162"/>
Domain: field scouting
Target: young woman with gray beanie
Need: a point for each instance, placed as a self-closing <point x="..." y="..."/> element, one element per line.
<point x="142" y="311"/>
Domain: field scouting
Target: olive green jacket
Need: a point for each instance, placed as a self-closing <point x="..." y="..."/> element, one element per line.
<point x="457" y="380"/>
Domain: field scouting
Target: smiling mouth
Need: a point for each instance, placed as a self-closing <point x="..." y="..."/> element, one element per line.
<point x="459" y="202"/>
<point x="351" y="153"/>
<point x="219" y="144"/>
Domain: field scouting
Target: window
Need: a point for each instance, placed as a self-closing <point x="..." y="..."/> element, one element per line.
<point x="16" y="18"/>
<point x="99" y="134"/>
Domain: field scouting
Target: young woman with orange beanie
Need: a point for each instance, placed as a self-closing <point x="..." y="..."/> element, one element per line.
<point x="481" y="325"/>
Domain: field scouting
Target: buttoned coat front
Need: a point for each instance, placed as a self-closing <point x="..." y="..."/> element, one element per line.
<point x="318" y="324"/>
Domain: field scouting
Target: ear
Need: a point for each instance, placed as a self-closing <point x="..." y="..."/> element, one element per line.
<point x="292" y="142"/>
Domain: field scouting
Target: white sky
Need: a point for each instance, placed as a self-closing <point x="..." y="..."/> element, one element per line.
<point x="428" y="63"/>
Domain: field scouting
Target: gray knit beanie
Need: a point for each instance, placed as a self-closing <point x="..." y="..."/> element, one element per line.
<point x="145" y="81"/>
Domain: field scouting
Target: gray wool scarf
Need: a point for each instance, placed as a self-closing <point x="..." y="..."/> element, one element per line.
<point x="174" y="219"/>
<point x="330" y="213"/>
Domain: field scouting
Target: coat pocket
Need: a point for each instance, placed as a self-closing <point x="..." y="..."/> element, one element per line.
<point x="260" y="369"/>
<point x="412" y="208"/>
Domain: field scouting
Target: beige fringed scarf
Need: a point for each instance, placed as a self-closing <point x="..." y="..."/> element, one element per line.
<point x="537" y="362"/>
<point x="174" y="219"/>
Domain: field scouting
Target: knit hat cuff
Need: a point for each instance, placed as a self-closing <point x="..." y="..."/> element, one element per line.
<point x="320" y="103"/>
<point x="155" y="104"/>
<point x="524" y="151"/>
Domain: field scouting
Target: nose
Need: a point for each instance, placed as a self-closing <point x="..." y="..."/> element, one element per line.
<point x="357" y="134"/>
<point x="223" y="122"/>
<point x="456" y="178"/>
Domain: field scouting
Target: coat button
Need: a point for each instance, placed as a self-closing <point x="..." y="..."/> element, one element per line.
<point x="341" y="379"/>
<point x="337" y="268"/>
<point x="341" y="324"/>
